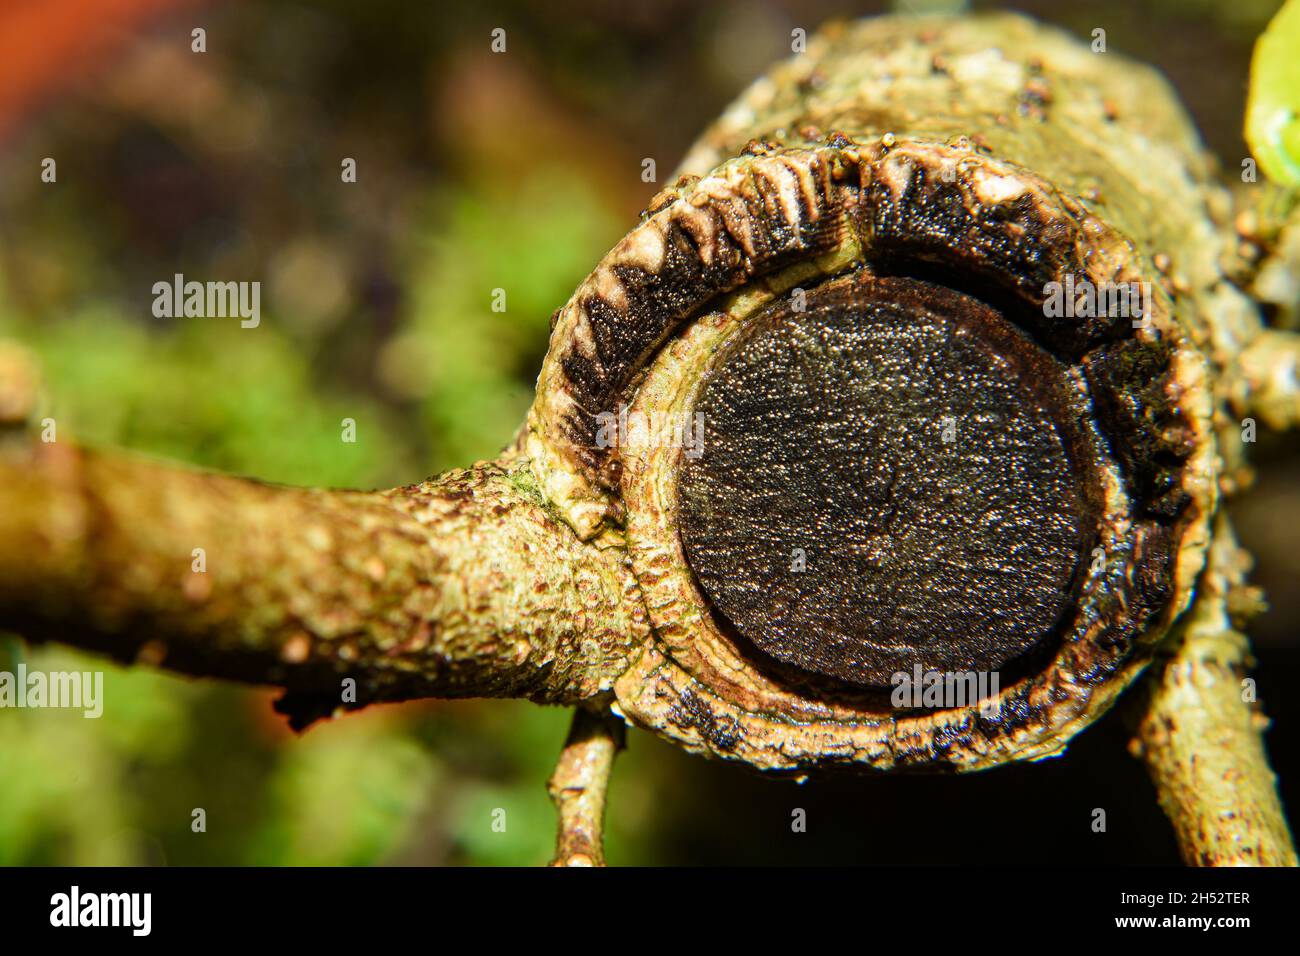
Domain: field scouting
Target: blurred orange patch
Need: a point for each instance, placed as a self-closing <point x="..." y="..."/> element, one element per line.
<point x="47" y="45"/>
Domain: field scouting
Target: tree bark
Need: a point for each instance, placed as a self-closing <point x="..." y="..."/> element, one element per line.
<point x="459" y="586"/>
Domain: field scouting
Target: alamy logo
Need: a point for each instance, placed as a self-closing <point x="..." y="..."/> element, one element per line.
<point x="197" y="300"/>
<point x="82" y="690"/>
<point x="1089" y="300"/>
<point x="634" y="430"/>
<point x="946" y="689"/>
<point x="134" y="910"/>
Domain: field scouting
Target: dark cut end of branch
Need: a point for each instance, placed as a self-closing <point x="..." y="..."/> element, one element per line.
<point x="462" y="586"/>
<point x="888" y="480"/>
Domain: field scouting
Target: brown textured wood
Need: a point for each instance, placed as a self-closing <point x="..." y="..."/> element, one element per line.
<point x="885" y="482"/>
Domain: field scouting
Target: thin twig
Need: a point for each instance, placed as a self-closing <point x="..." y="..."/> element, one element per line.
<point x="579" y="784"/>
<point x="1201" y="735"/>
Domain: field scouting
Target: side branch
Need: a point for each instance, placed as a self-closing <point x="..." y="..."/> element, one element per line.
<point x="1201" y="735"/>
<point x="579" y="784"/>
<point x="462" y="586"/>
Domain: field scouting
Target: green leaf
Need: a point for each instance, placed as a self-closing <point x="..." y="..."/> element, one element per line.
<point x="1273" y="104"/>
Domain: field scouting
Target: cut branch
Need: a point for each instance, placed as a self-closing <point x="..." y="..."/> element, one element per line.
<point x="460" y="586"/>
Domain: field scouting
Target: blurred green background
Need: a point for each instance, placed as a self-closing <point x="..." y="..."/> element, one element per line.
<point x="476" y="171"/>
